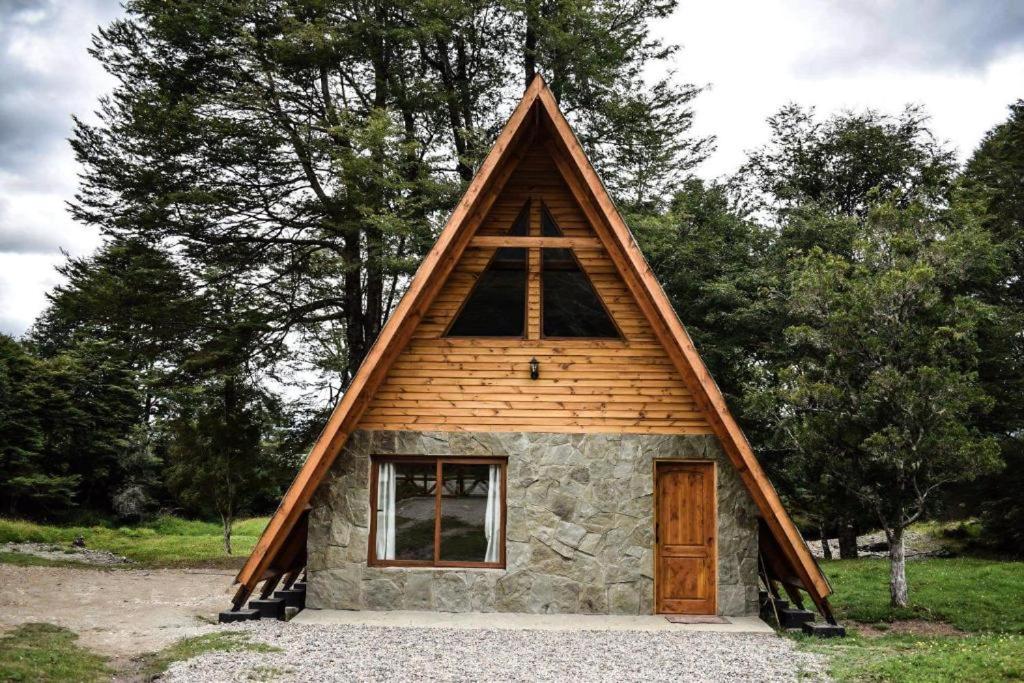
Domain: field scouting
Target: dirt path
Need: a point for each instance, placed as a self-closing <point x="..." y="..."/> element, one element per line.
<point x="119" y="612"/>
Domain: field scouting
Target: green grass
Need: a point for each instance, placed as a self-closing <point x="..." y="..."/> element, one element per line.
<point x="163" y="542"/>
<point x="920" y="659"/>
<point x="983" y="598"/>
<point x="187" y="648"/>
<point x="970" y="594"/>
<point x="44" y="652"/>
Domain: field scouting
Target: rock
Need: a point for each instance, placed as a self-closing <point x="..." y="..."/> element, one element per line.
<point x="570" y="534"/>
<point x="303" y="652"/>
<point x="451" y="592"/>
<point x="590" y="543"/>
<point x="339" y="588"/>
<point x="103" y="558"/>
<point x="383" y="590"/>
<point x="562" y="505"/>
<point x="419" y="590"/>
<point x="623" y="598"/>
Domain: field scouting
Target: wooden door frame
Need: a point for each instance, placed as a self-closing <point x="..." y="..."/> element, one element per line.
<point x="714" y="522"/>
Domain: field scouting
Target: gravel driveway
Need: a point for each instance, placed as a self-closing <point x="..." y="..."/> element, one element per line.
<point x="370" y="653"/>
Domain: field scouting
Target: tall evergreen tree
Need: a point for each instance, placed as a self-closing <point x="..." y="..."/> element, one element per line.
<point x="30" y="479"/>
<point x="310" y="149"/>
<point x="711" y="262"/>
<point x="992" y="187"/>
<point x="134" y="304"/>
<point x="223" y="426"/>
<point x="66" y="424"/>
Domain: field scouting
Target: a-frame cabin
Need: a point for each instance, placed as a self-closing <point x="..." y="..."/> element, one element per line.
<point x="534" y="430"/>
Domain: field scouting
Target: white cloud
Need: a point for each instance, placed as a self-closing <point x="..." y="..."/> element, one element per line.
<point x="24" y="281"/>
<point x="45" y="77"/>
<point x="754" y="56"/>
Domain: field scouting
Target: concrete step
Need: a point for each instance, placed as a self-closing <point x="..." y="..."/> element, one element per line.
<point x="792" y="617"/>
<point x="269" y="608"/>
<point x="292" y="597"/>
<point x="823" y="630"/>
<point x="230" y="616"/>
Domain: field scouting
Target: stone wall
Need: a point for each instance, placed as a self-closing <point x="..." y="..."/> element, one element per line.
<point x="579" y="532"/>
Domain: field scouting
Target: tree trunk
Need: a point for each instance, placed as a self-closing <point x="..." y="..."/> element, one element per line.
<point x="352" y="306"/>
<point x="897" y="568"/>
<point x="847" y="541"/>
<point x="826" y="549"/>
<point x="530" y="44"/>
<point x="226" y="522"/>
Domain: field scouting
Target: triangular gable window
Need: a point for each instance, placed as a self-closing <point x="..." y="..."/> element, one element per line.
<point x="571" y="306"/>
<point x="497" y="305"/>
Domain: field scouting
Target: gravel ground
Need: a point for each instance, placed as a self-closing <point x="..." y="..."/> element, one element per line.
<point x="368" y="653"/>
<point x="70" y="553"/>
<point x="915" y="543"/>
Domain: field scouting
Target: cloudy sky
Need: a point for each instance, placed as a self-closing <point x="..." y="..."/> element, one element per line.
<point x="962" y="60"/>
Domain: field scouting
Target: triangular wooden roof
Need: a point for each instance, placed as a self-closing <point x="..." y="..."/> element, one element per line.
<point x="279" y="544"/>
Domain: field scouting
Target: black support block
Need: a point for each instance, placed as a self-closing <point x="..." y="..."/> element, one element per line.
<point x="824" y="630"/>
<point x="794" y="618"/>
<point x="230" y="616"/>
<point x="766" y="611"/>
<point x="269" y="608"/>
<point x="292" y="597"/>
<point x="299" y="586"/>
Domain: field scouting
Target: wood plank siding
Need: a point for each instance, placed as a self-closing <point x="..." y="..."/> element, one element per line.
<point x="585" y="385"/>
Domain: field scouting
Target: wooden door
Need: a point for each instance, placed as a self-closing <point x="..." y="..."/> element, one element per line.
<point x="685" y="572"/>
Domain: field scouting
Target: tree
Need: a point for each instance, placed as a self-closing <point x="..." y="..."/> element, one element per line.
<point x="136" y="304"/>
<point x="29" y="480"/>
<point x="311" y="149"/>
<point x="219" y="458"/>
<point x="840" y="164"/>
<point x="711" y="262"/>
<point x="88" y="413"/>
<point x="64" y="429"/>
<point x="223" y="424"/>
<point x="812" y="187"/>
<point x="991" y="187"/>
<point x="880" y="392"/>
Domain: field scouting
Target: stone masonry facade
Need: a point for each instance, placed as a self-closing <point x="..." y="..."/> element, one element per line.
<point x="579" y="527"/>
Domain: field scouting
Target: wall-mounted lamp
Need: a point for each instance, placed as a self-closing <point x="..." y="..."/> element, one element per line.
<point x="534" y="368"/>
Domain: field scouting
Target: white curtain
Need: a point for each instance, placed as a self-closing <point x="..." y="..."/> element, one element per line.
<point x="492" y="517"/>
<point x="386" y="511"/>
